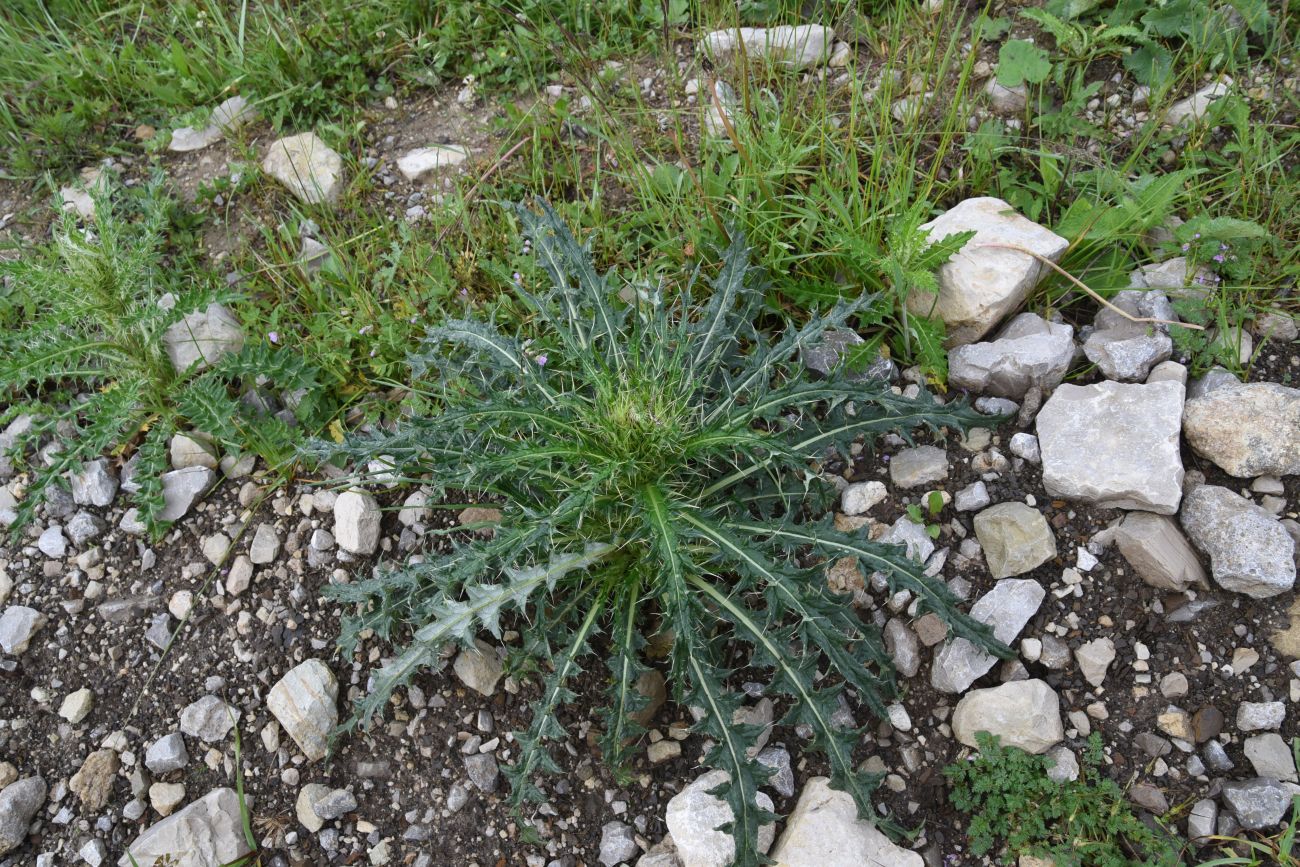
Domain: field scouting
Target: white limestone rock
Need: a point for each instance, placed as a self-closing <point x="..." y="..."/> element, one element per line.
<point x="694" y="816"/>
<point x="307" y="167"/>
<point x="305" y="701"/>
<point x="1015" y="537"/>
<point x="416" y="164"/>
<point x="202" y="338"/>
<point x="207" y="833"/>
<point x="357" y="522"/>
<point x="1022" y="713"/>
<point x="824" y="831"/>
<point x="1248" y="430"/>
<point x="798" y="47"/>
<point x="1029" y="351"/>
<point x="1250" y="551"/>
<point x="1007" y="608"/>
<point x="1114" y="445"/>
<point x="982" y="283"/>
<point x="1160" y="554"/>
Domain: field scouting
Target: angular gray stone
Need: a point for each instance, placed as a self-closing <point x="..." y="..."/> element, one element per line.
<point x="982" y="283"/>
<point x="1025" y="446"/>
<point x="798" y="47"/>
<point x="9" y="438"/>
<point x="921" y="465"/>
<point x="903" y="647"/>
<point x="18" y="626"/>
<point x="52" y="543"/>
<point x="207" y="833"/>
<point x="483" y="772"/>
<point x="1023" y="713"/>
<point x="825" y="356"/>
<point x="912" y="536"/>
<point x="1278" y="326"/>
<point x="202" y="338"/>
<point x="1126" y="350"/>
<point x="1186" y="112"/>
<point x="824" y="831"/>
<point x="209" y="719"/>
<point x="617" y="844"/>
<point x="1160" y="554"/>
<point x="334" y="804"/>
<point x="95" y="485"/>
<point x="265" y="546"/>
<point x="233" y="113"/>
<point x="972" y="498"/>
<point x="1201" y="821"/>
<point x="1255" y="716"/>
<point x="1006" y="100"/>
<point x="1094" y="659"/>
<point x="1248" y="430"/>
<point x="1250" y="551"/>
<point x="305" y="701"/>
<point x="1114" y="445"/>
<point x="357" y="522"/>
<point x="1258" y="803"/>
<point x="860" y="497"/>
<point x="1015" y="538"/>
<point x="19" y="802"/>
<point x="694" y="816"/>
<point x="1030" y="351"/>
<point x="83" y="527"/>
<point x="1010" y="605"/>
<point x="308" y="795"/>
<point x="1271" y="756"/>
<point x="1065" y="764"/>
<point x="307" y="167"/>
<point x="167" y="754"/>
<point x="182" y="489"/>
<point x="1214" y="379"/>
<point x="187" y="138"/>
<point x="782" y="779"/>
<point x="192" y="450"/>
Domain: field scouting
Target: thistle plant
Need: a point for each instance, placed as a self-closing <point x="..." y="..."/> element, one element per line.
<point x="83" y="356"/>
<point x="654" y="467"/>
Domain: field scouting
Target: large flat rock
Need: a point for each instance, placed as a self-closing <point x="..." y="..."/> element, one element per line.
<point x="1114" y="445"/>
<point x="207" y="833"/>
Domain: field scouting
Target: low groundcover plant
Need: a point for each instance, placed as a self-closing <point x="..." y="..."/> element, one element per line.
<point x="652" y="466"/>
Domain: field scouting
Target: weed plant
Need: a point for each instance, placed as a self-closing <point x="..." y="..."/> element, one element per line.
<point x="651" y="461"/>
<point x="1015" y="808"/>
<point x="84" y="356"/>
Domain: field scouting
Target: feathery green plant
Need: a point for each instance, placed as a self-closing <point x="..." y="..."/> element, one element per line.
<point x="652" y="465"/>
<point x="83" y="355"/>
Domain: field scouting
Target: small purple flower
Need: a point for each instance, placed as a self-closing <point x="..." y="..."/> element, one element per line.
<point x="518" y="278"/>
<point x="542" y="359"/>
<point x="464" y="293"/>
<point x="1186" y="247"/>
<point x="273" y="336"/>
<point x="1196" y="235"/>
<point x="374" y="352"/>
<point x="1218" y="257"/>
